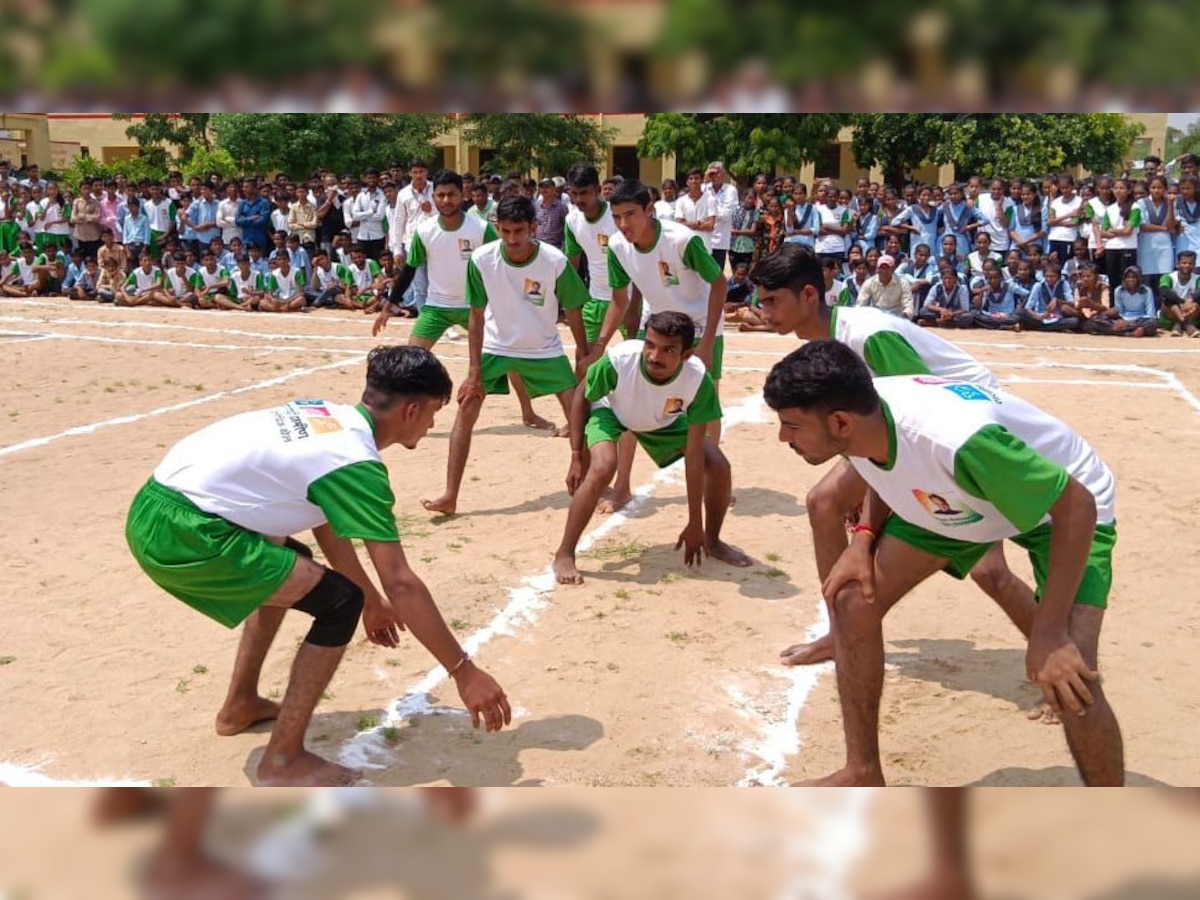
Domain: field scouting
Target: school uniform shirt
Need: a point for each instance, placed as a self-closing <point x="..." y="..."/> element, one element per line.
<point x="202" y="278"/>
<point x="24" y="272"/>
<point x="161" y="214"/>
<point x="1184" y="290"/>
<point x="1135" y="306"/>
<point x="367" y="212"/>
<point x="521" y="302"/>
<point x="978" y="464"/>
<point x="227" y="218"/>
<point x="1060" y="207"/>
<point x="360" y="279"/>
<point x="664" y="210"/>
<point x="955" y="219"/>
<point x="136" y="230"/>
<point x="1043" y="295"/>
<point x="55" y="218"/>
<point x="141" y="280"/>
<point x="724" y="203"/>
<point x="618" y="381"/>
<point x="1114" y="218"/>
<point x="890" y="345"/>
<point x="831" y="215"/>
<point x="996" y="220"/>
<point x="928" y="224"/>
<point x="327" y="278"/>
<point x="957" y="300"/>
<point x="285" y="287"/>
<point x="241" y="287"/>
<point x="297" y="466"/>
<point x="805" y="217"/>
<point x="591" y="237"/>
<point x="1156" y="249"/>
<point x="1188" y="216"/>
<point x="1094" y="214"/>
<point x="674" y="274"/>
<point x="1002" y="302"/>
<point x="974" y="262"/>
<point x="446" y="252"/>
<point x="179" y="285"/>
<point x="689" y="210"/>
<point x="839" y="294"/>
<point x="204" y="213"/>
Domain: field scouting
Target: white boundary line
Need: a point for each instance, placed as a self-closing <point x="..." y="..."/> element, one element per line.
<point x="192" y="345"/>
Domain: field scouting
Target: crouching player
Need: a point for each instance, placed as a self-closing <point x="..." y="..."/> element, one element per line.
<point x="660" y="391"/>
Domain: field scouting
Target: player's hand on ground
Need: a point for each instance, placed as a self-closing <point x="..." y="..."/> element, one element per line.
<point x="691" y="539"/>
<point x="575" y="474"/>
<point x="381" y="321"/>
<point x="1059" y="670"/>
<point x="471" y="389"/>
<point x="381" y="623"/>
<point x="483" y="698"/>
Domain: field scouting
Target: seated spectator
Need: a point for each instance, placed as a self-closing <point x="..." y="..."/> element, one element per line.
<point x="283" y="289"/>
<point x="887" y="292"/>
<point x="920" y="273"/>
<point x="973" y="266"/>
<point x="259" y="264"/>
<point x="55" y="277"/>
<point x="30" y="273"/>
<point x="7" y="276"/>
<point x="359" y="278"/>
<point x="997" y="306"/>
<point x="75" y="269"/>
<point x="1047" y="308"/>
<point x="177" y="283"/>
<point x="739" y="287"/>
<point x="1133" y="313"/>
<point x="108" y="285"/>
<point x="951" y="256"/>
<point x="326" y="285"/>
<point x="858" y="277"/>
<point x="1080" y="254"/>
<point x="144" y="284"/>
<point x="85" y="286"/>
<point x="1011" y="263"/>
<point x="1177" y="290"/>
<point x="948" y="303"/>
<point x="1025" y="282"/>
<point x="1091" y="294"/>
<point x="211" y="284"/>
<point x="835" y="289"/>
<point x="245" y="285"/>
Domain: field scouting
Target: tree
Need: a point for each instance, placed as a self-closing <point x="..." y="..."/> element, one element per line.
<point x="747" y="144"/>
<point x="299" y="143"/>
<point x="1180" y="142"/>
<point x="1007" y="144"/>
<point x="550" y="143"/>
<point x="187" y="131"/>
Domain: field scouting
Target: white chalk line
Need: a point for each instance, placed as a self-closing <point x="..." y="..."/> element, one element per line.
<point x="30" y="775"/>
<point x="191" y="345"/>
<point x="169" y="326"/>
<point x="163" y="410"/>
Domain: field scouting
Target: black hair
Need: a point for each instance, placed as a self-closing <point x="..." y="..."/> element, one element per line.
<point x="674" y="324"/>
<point x="614" y="179"/>
<point x="583" y="175"/>
<point x="516" y="209"/>
<point x="792" y="266"/>
<point x="357" y="248"/>
<point x="1157" y="160"/>
<point x="448" y="176"/>
<point x="371" y="170"/>
<point x="822" y="376"/>
<point x="417" y="163"/>
<point x="630" y="191"/>
<point x="1183" y="253"/>
<point x="695" y="171"/>
<point x="395" y="372"/>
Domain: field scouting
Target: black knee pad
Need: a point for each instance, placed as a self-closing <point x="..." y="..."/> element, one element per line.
<point x="335" y="605"/>
<point x="300" y="547"/>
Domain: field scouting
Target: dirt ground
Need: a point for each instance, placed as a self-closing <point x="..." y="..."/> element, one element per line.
<point x="648" y="674"/>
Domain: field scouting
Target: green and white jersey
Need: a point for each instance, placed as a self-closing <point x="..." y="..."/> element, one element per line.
<point x="241" y="287"/>
<point x="618" y="381"/>
<point x="285" y="470"/>
<point x="1184" y="290"/>
<point x="160" y="214"/>
<point x="24" y="271"/>
<point x="202" y="278"/>
<point x="975" y="463"/>
<point x="360" y="279"/>
<point x="285" y="287"/>
<point x="583" y="235"/>
<point x="520" y="302"/>
<point x="445" y="253"/>
<point x="179" y="285"/>
<point x="1113" y="218"/>
<point x="891" y="345"/>
<point x="673" y="275"/>
<point x="141" y="280"/>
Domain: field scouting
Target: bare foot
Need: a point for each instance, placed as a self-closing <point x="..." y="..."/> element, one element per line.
<point x="125" y="804"/>
<point x="1044" y="714"/>
<point x="237" y="717"/>
<point x="847" y="778"/>
<point x="565" y="571"/>
<point x="533" y="420"/>
<point x="174" y="877"/>
<point x="305" y="770"/>
<point x="938" y="886"/>
<point x="613" y="502"/>
<point x="444" y="505"/>
<point x="819" y="651"/>
<point x="727" y="554"/>
<point x="563" y="430"/>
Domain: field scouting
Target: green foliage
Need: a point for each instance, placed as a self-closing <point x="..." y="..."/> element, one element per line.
<point x="187" y="131"/>
<point x="135" y="169"/>
<point x="747" y="144"/>
<point x="1180" y="142"/>
<point x="550" y="143"/>
<point x="299" y="143"/>
<point x="203" y="160"/>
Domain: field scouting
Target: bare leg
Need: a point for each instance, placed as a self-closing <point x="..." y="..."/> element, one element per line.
<point x="243" y="705"/>
<point x="858" y="639"/>
<point x="529" y="418"/>
<point x="456" y="465"/>
<point x="1095" y="738"/>
<point x="950" y="878"/>
<point x="828" y="504"/>
<point x="714" y="427"/>
<point x="622" y="492"/>
<point x="583" y="504"/>
<point x="565" y="398"/>
<point x="718" y="485"/>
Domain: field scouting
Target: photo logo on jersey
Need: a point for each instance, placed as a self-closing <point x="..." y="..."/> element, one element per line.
<point x="669" y="278"/>
<point x="969" y="392"/>
<point x="464" y="248"/>
<point x="602" y="240"/>
<point x="947" y="509"/>
<point x="533" y="292"/>
<point x="673" y="406"/>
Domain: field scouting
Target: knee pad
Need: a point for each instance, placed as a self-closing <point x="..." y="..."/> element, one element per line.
<point x="335" y="605"/>
<point x="300" y="547"/>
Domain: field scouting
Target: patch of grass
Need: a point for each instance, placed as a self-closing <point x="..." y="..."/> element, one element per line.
<point x="668" y="578"/>
<point x="183" y="686"/>
<point x="776" y="573"/>
<point x="109" y="389"/>
<point x="278" y="367"/>
<point x="618" y="550"/>
<point x="7" y="660"/>
<point x="328" y="695"/>
<point x="199" y="669"/>
<point x="454" y="545"/>
<point x="678" y="637"/>
<point x="391" y="734"/>
<point x="393" y="662"/>
<point x="197" y="388"/>
<point x="164" y="782"/>
<point x="366" y="723"/>
<point x="274" y="694"/>
<point x="621" y="594"/>
<point x="428" y="558"/>
<point x="773" y="557"/>
<point x="458" y="625"/>
<point x="598" y="614"/>
<point x="412" y="527"/>
<point x="613" y="667"/>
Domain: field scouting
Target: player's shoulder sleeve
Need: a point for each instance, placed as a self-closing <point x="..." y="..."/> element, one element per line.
<point x="196" y="280"/>
<point x="997" y="466"/>
<point x="617" y="276"/>
<point x="373" y="268"/>
<point x="476" y="292"/>
<point x="489" y="233"/>
<point x="1135" y="217"/>
<point x="357" y="501"/>
<point x="705" y="407"/>
<point x="600" y="380"/>
<point x="343" y="274"/>
<point x="890" y="353"/>
<point x="416" y="249"/>
<point x="272" y="283"/>
<point x="697" y="258"/>
<point x="300" y="279"/>
<point x="569" y="288"/>
<point x="570" y="244"/>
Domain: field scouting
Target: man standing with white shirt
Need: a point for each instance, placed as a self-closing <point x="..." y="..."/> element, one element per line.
<point x="725" y="204"/>
<point x="367" y="212"/>
<point x="413" y="206"/>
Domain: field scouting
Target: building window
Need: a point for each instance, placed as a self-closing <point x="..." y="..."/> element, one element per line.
<point x="1141" y="148"/>
<point x="486" y="155"/>
<point x="85" y="152"/>
<point x="829" y="162"/>
<point x="625" y="162"/>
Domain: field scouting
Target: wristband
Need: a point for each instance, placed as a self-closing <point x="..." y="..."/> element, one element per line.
<point x="466" y="658"/>
<point x="860" y="528"/>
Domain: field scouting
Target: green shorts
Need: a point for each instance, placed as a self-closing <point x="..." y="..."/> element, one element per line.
<point x="541" y="376"/>
<point x="433" y="322"/>
<point x="212" y="565"/>
<point x="718" y="360"/>
<point x="594" y="312"/>
<point x="9" y="234"/>
<point x="962" y="556"/>
<point x="665" y="446"/>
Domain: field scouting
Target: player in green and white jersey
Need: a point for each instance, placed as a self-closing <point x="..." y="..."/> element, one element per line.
<point x="245" y="286"/>
<point x="213" y="528"/>
<point x="211" y="284"/>
<point x="145" y="285"/>
<point x="790" y="286"/>
<point x="588" y="229"/>
<point x="360" y="278"/>
<point x="283" y="288"/>
<point x="656" y="390"/>
<point x="29" y="274"/>
<point x="957" y="467"/>
<point x="177" y="283"/>
<point x="515" y="287"/>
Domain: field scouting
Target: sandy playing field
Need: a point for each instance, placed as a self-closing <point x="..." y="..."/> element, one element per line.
<point x="648" y="674"/>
